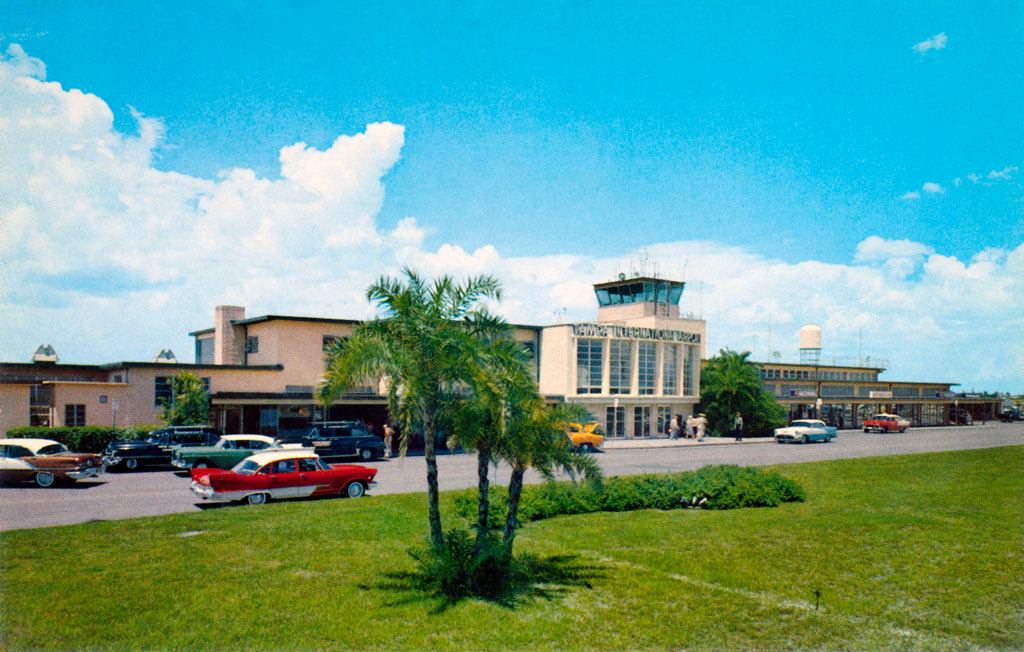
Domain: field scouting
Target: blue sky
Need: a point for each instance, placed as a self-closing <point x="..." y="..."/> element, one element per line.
<point x="849" y="164"/>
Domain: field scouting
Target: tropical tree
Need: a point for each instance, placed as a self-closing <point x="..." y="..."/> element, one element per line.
<point x="731" y="383"/>
<point x="425" y="344"/>
<point x="504" y="418"/>
<point x="535" y="438"/>
<point x="190" y="402"/>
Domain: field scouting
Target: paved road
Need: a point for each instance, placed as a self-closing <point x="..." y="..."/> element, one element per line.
<point x="149" y="493"/>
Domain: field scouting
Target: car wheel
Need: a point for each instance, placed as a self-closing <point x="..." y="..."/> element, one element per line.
<point x="256" y="499"/>
<point x="803" y="439"/>
<point x="366" y="454"/>
<point x="131" y="463"/>
<point x="355" y="489"/>
<point x="201" y="464"/>
<point x="585" y="447"/>
<point x="44" y="479"/>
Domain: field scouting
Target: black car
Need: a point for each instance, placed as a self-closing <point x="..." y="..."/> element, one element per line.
<point x="1011" y="414"/>
<point x="158" y="447"/>
<point x="335" y="439"/>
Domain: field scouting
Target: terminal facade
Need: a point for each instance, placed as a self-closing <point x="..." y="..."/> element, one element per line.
<point x="634" y="368"/>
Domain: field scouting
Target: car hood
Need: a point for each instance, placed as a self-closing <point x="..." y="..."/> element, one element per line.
<point x="125" y="444"/>
<point x="202" y="473"/>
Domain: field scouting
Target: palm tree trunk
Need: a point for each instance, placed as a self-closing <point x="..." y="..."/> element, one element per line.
<point x="483" y="461"/>
<point x="515" y="490"/>
<point x="433" y="504"/>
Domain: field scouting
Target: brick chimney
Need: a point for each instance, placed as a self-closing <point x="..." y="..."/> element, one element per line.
<point x="228" y="340"/>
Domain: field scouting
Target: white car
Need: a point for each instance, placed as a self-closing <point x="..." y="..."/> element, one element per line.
<point x="804" y="431"/>
<point x="45" y="462"/>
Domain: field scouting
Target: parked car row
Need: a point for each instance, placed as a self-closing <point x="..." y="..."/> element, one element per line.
<point x="204" y="445"/>
<point x="257" y="470"/>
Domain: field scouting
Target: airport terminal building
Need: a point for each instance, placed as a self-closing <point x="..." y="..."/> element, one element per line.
<point x="634" y="367"/>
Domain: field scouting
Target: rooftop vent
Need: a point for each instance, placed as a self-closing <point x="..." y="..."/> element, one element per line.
<point x="165" y="355"/>
<point x="45" y="353"/>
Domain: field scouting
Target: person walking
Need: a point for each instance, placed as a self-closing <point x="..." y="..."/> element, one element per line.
<point x="673" y="428"/>
<point x="699" y="424"/>
<point x="690" y="427"/>
<point x="389" y="436"/>
<point x="737" y="427"/>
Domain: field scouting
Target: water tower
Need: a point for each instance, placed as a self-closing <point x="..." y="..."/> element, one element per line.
<point x="810" y="344"/>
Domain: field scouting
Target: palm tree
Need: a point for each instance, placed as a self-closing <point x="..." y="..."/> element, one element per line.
<point x="425" y="345"/>
<point x="535" y="438"/>
<point x="731" y="383"/>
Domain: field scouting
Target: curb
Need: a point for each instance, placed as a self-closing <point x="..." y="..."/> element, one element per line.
<point x="615" y="444"/>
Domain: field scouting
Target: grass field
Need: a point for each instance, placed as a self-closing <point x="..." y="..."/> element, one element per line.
<point x="916" y="552"/>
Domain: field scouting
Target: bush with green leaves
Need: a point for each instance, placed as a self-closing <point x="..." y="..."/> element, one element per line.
<point x="456" y="569"/>
<point x="711" y="487"/>
<point x="81" y="439"/>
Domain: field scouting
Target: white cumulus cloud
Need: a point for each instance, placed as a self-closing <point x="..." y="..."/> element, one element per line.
<point x="108" y="258"/>
<point x="936" y="42"/>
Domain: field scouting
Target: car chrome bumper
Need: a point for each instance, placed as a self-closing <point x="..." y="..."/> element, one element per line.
<point x="90" y="472"/>
<point x="204" y="491"/>
<point x="181" y="464"/>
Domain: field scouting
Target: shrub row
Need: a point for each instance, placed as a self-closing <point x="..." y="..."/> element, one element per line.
<point x="83" y="439"/>
<point x="711" y="487"/>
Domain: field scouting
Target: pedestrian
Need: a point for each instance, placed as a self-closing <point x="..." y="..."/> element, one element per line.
<point x="673" y="428"/>
<point x="690" y="427"/>
<point x="389" y="436"/>
<point x="737" y="427"/>
<point x="700" y="423"/>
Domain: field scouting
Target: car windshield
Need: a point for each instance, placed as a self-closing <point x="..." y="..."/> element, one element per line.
<point x="52" y="449"/>
<point x="246" y="467"/>
<point x="804" y="424"/>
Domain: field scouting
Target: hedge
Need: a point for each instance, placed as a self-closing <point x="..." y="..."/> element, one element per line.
<point x="711" y="487"/>
<point x="83" y="439"/>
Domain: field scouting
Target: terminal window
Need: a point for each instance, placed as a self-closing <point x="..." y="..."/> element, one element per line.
<point x="620" y="368"/>
<point x="74" y="415"/>
<point x="588" y="366"/>
<point x="670" y="370"/>
<point x="646" y="367"/>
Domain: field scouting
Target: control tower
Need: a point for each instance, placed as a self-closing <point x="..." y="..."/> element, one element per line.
<point x="633" y="298"/>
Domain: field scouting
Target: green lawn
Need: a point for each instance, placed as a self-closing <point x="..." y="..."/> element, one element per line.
<point x="916" y="552"/>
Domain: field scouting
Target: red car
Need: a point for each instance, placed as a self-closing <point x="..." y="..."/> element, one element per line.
<point x="886" y="423"/>
<point x="282" y="474"/>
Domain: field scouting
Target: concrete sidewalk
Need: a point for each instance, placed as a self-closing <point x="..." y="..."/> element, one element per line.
<point x="665" y="442"/>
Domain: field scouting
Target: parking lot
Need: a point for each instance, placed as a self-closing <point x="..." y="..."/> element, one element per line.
<point x="153" y="492"/>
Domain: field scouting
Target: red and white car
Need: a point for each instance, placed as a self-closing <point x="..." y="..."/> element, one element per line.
<point x="886" y="423"/>
<point x="282" y="474"/>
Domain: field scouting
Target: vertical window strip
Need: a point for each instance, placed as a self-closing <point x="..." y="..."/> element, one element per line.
<point x="588" y="366"/>
<point x="620" y="369"/>
<point x="670" y="370"/>
<point x="646" y="367"/>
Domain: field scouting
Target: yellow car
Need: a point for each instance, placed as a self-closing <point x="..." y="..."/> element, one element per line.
<point x="585" y="437"/>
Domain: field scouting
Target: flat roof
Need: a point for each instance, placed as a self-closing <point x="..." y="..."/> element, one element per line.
<point x="191" y="365"/>
<point x="322" y="320"/>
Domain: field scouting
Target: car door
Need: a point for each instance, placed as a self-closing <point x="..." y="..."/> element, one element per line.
<point x="313" y="479"/>
<point x="12" y="467"/>
<point x="285" y="479"/>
